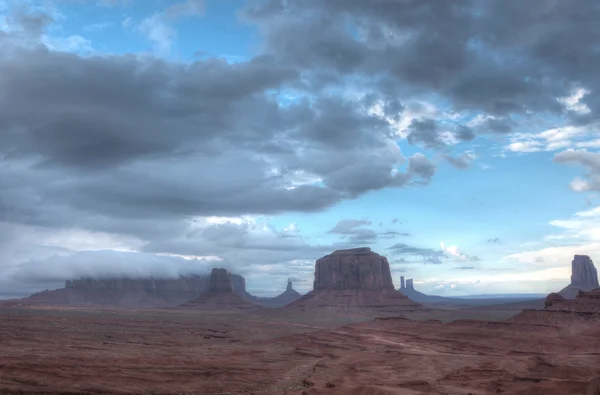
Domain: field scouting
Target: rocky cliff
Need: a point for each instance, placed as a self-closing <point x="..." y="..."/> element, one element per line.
<point x="358" y="268"/>
<point x="219" y="281"/>
<point x="584" y="277"/>
<point x="355" y="280"/>
<point x="583" y="272"/>
<point x="220" y="295"/>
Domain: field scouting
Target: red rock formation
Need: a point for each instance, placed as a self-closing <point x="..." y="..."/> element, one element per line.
<point x="584" y="302"/>
<point x="553" y="298"/>
<point x="583" y="272"/>
<point x="357" y="268"/>
<point x="584" y="277"/>
<point x="354" y="279"/>
<point x="220" y="295"/>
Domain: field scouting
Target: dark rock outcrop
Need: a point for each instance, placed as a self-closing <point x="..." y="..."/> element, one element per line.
<point x="220" y="295"/>
<point x="585" y="303"/>
<point x="355" y="279"/>
<point x="584" y="277"/>
<point x="409" y="290"/>
<point x="219" y="281"/>
<point x="552" y="299"/>
<point x="357" y="268"/>
<point x="583" y="272"/>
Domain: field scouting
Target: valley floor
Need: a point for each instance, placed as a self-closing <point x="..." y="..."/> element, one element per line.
<point x="103" y="351"/>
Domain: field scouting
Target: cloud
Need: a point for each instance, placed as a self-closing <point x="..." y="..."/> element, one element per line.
<point x="587" y="159"/>
<point x="494" y="240"/>
<point x="554" y="139"/>
<point x="158" y="27"/>
<point x="353" y="231"/>
<point x="461" y="162"/>
<point x="579" y="234"/>
<point x="465" y="52"/>
<point x="425" y="255"/>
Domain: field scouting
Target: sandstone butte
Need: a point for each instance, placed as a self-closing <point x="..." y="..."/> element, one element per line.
<point x="354" y="279"/>
<point x="220" y="295"/>
<point x="584" y="277"/>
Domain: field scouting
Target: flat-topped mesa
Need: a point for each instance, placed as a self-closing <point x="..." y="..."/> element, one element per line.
<point x="583" y="272"/>
<point x="219" y="281"/>
<point x="409" y="284"/>
<point x="357" y="268"/>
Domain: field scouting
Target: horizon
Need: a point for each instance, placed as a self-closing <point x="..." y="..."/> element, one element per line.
<point x="161" y="138"/>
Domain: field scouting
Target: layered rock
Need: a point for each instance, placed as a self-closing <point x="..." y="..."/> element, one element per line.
<point x="357" y="268"/>
<point x="354" y="279"/>
<point x="585" y="303"/>
<point x="584" y="277"/>
<point x="552" y="299"/>
<point x="220" y="295"/>
<point x="583" y="272"/>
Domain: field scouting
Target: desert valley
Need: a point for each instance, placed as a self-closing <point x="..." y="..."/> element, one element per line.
<point x="352" y="334"/>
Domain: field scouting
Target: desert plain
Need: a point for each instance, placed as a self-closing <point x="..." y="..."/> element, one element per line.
<point x="353" y="334"/>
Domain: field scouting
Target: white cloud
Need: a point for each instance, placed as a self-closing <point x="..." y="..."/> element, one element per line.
<point x="553" y="139"/>
<point x="583" y="232"/>
<point x="159" y="32"/>
<point x="572" y="102"/>
<point x="158" y="27"/>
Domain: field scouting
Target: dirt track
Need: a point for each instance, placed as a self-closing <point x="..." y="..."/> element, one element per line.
<point x="117" y="351"/>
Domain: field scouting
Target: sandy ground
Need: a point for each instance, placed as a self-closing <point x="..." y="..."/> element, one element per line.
<point x="69" y="350"/>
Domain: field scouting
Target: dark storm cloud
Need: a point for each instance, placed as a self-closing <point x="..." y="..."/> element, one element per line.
<point x="134" y="137"/>
<point x="500" y="58"/>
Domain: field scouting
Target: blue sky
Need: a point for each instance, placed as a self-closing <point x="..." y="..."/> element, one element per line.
<point x="504" y="211"/>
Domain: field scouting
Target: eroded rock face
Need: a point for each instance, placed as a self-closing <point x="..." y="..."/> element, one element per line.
<point x="584" y="277"/>
<point x="583" y="272"/>
<point x="553" y="298"/>
<point x="219" y="281"/>
<point x="238" y="283"/>
<point x="358" y="268"/>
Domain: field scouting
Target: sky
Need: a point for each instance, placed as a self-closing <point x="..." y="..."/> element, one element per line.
<point x="460" y="139"/>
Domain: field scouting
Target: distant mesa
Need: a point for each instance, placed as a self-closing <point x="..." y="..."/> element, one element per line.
<point x="357" y="268"/>
<point x="355" y="279"/>
<point x="584" y="277"/>
<point x="121" y="292"/>
<point x="286" y="297"/>
<point x="407" y="288"/>
<point x="220" y="295"/>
